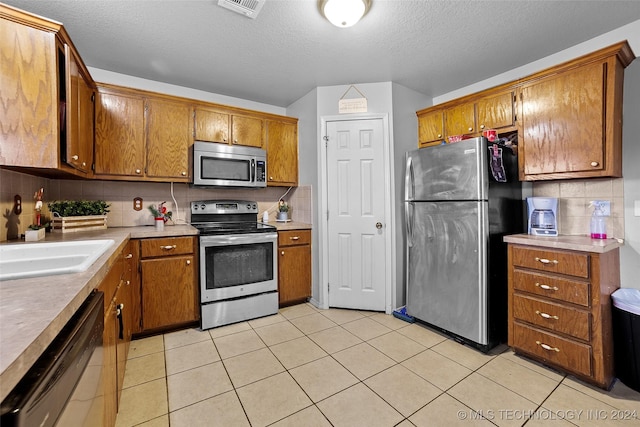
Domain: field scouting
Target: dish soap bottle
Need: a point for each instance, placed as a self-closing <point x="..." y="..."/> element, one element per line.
<point x="598" y="223"/>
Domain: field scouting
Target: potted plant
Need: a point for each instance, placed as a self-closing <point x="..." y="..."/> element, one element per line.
<point x="78" y="215"/>
<point x="160" y="215"/>
<point x="283" y="211"/>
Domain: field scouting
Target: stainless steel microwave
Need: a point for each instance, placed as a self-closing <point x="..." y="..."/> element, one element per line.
<point x="221" y="165"/>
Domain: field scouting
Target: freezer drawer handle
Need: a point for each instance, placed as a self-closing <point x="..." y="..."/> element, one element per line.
<point x="547" y="287"/>
<point x="548" y="347"/>
<point x="546" y="316"/>
<point x="546" y="261"/>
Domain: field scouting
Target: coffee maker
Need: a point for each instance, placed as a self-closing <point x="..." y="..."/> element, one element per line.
<point x="543" y="214"/>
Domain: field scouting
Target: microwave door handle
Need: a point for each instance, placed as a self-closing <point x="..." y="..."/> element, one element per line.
<point x="253" y="170"/>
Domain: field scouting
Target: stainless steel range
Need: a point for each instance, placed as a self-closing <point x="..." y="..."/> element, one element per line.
<point x="238" y="262"/>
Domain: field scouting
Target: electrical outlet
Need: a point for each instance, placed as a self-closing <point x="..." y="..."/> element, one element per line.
<point x="137" y="203"/>
<point x="605" y="206"/>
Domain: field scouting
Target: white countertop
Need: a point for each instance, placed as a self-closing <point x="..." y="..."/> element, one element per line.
<point x="573" y="243"/>
<point x="34" y="310"/>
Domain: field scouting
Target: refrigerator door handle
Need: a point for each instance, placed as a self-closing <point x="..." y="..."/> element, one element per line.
<point x="408" y="216"/>
<point x="409" y="184"/>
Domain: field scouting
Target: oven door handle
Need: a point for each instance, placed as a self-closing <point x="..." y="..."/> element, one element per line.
<point x="238" y="239"/>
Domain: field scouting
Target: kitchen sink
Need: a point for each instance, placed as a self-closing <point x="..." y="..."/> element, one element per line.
<point x="19" y="261"/>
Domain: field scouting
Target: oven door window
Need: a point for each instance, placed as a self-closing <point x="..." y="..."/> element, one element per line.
<point x="236" y="265"/>
<point x="227" y="169"/>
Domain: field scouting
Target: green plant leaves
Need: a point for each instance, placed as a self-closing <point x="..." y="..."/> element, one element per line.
<point x="78" y="207"/>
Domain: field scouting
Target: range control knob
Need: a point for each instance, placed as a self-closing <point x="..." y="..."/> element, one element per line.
<point x="202" y="206"/>
<point x="249" y="207"/>
<point x="195" y="207"/>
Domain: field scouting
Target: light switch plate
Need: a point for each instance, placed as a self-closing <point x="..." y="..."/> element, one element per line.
<point x="137" y="203"/>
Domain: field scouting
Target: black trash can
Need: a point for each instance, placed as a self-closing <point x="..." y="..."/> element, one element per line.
<point x="626" y="336"/>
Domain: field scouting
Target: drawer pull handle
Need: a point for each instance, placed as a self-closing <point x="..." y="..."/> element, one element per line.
<point x="168" y="247"/>
<point x="546" y="316"/>
<point x="546" y="287"/>
<point x="548" y="347"/>
<point x="546" y="261"/>
<point x="295" y="238"/>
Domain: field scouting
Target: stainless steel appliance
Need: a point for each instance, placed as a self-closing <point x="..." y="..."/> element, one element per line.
<point x="238" y="262"/>
<point x="542" y="214"/>
<point x="222" y="165"/>
<point x="64" y="386"/>
<point x="460" y="199"/>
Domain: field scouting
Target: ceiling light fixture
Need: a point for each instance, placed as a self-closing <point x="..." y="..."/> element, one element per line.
<point x="344" y="13"/>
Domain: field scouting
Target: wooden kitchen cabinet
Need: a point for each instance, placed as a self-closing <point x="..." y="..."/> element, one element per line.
<point x="294" y="266"/>
<point x="218" y="125"/>
<point x="282" y="153"/>
<point x="430" y="128"/>
<point x="46" y="94"/>
<point x="560" y="309"/>
<point x="570" y="121"/>
<point x="460" y="119"/>
<point x="141" y="136"/>
<point x="169" y="282"/>
<point x="496" y="112"/>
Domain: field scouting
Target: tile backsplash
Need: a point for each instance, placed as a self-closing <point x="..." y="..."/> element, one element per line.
<point x="574" y="197"/>
<point x="120" y="195"/>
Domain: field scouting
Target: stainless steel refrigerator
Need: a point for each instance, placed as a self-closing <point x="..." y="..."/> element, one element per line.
<point x="460" y="200"/>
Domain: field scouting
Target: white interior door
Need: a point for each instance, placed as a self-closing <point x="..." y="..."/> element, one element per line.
<point x="356" y="214"/>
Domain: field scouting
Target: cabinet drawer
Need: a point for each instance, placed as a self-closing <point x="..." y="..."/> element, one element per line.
<point x="571" y="263"/>
<point x="166" y="246"/>
<point x="568" y="354"/>
<point x="294" y="237"/>
<point x="552" y="287"/>
<point x="556" y="317"/>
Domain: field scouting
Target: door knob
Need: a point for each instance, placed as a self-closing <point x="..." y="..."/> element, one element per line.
<point x="378" y="225"/>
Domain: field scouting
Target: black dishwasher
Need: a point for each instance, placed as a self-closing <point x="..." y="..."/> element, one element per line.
<point x="64" y="385"/>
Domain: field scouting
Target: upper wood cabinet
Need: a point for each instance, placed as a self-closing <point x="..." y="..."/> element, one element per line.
<point x="45" y="99"/>
<point x="495" y="112"/>
<point x="217" y="125"/>
<point x="139" y="135"/>
<point x="282" y="152"/>
<point x="460" y="120"/>
<point x="430" y="128"/>
<point x="570" y="123"/>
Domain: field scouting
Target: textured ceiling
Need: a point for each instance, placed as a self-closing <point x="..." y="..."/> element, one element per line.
<point x="432" y="47"/>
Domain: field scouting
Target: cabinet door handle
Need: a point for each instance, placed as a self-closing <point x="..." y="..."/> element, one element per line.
<point x="168" y="247"/>
<point x="546" y="287"/>
<point x="439" y="135"/>
<point x="470" y="129"/>
<point x="594" y="164"/>
<point x="128" y="256"/>
<point x="546" y="261"/>
<point x="481" y="126"/>
<point x="282" y="253"/>
<point x="295" y="238"/>
<point x="188" y="262"/>
<point x="548" y="347"/>
<point x="183" y="173"/>
<point x="138" y="171"/>
<point x="546" y="316"/>
<point x="75" y="157"/>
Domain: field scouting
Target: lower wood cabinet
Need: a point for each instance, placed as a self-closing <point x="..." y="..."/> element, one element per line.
<point x="169" y="284"/>
<point x="560" y="309"/>
<point x="294" y="266"/>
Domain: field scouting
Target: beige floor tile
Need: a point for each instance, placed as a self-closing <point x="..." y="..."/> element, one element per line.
<point x="397" y="346"/>
<point x="198" y="384"/>
<point x="190" y="356"/>
<point x="253" y="366"/>
<point x="297" y="352"/>
<point x="527" y="383"/>
<point x="341" y="316"/>
<point x="322" y="378"/>
<point x="335" y="339"/>
<point x="272" y="399"/>
<point x="223" y="410"/>
<point x="366" y="329"/>
<point x="533" y="365"/>
<point x="406" y="423"/>
<point x="308" y="417"/>
<point x="447" y="411"/>
<point x="278" y="332"/>
<point x="584" y="410"/>
<point x="403" y="389"/>
<point x="238" y="343"/>
<point x="144" y="346"/>
<point x="144" y="369"/>
<point x="495" y="401"/>
<point x="620" y="396"/>
<point x="359" y="406"/>
<point x="298" y="310"/>
<point x="162" y="421"/>
<point x="142" y="403"/>
<point x="363" y="360"/>
<point x="229" y="329"/>
<point x="462" y="354"/>
<point x="312" y="323"/>
<point x="267" y="320"/>
<point x="543" y="418"/>
<point x="184" y="337"/>
<point x="389" y="321"/>
<point x="422" y="335"/>
<point x="437" y="369"/>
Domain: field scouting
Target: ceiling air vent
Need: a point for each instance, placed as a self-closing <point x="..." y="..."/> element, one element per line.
<point x="248" y="8"/>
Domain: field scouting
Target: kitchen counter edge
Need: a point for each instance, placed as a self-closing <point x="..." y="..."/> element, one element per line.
<point x="572" y="243"/>
<point x="292" y="225"/>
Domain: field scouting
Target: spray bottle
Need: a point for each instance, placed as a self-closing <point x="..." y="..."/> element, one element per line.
<point x="598" y="223"/>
